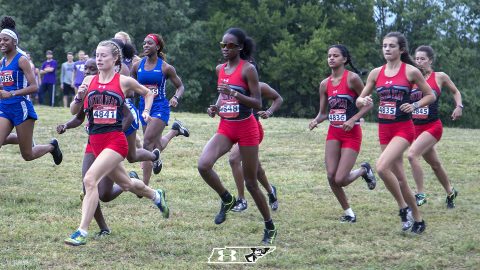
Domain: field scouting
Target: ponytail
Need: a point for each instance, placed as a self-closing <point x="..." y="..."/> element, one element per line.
<point x="247" y="43"/>
<point x="345" y="53"/>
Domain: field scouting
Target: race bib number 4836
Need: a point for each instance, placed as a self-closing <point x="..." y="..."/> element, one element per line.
<point x="104" y="114"/>
<point x="337" y="116"/>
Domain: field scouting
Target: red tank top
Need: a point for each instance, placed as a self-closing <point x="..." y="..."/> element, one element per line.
<point x="341" y="100"/>
<point x="393" y="92"/>
<point x="428" y="113"/>
<point x="103" y="105"/>
<point x="230" y="108"/>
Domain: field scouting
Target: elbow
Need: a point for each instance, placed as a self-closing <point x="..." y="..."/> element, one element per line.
<point x="257" y="105"/>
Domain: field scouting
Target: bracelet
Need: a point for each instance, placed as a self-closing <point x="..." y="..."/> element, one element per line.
<point x="12" y="93"/>
<point x="235" y="94"/>
<point x="177" y="98"/>
<point x="269" y="112"/>
<point x="77" y="100"/>
<point x="460" y="106"/>
<point x="146" y="110"/>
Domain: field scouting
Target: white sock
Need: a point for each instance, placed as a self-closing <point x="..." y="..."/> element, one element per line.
<point x="82" y="232"/>
<point x="156" y="197"/>
<point x="349" y="212"/>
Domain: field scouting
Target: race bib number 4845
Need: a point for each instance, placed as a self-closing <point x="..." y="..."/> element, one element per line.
<point x="420" y="113"/>
<point x="153" y="88"/>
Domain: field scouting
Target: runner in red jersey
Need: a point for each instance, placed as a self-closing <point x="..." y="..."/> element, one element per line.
<point x="428" y="127"/>
<point x="102" y="97"/>
<point x="339" y="91"/>
<point x="393" y="83"/>
<point x="239" y="92"/>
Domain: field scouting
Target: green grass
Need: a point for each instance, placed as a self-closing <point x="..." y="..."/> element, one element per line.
<point x="40" y="206"/>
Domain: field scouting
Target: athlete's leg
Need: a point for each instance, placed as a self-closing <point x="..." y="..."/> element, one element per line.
<point x="134" y="154"/>
<point x="332" y="159"/>
<point x="164" y="140"/>
<point x="5" y="130"/>
<point x="409" y="198"/>
<point x="344" y="175"/>
<point x="25" y="133"/>
<point x="431" y="157"/>
<point x="235" y="161"/>
<point x="262" y="178"/>
<point x="213" y="150"/>
<point x="151" y="136"/>
<point x="390" y="153"/>
<point x="12" y="138"/>
<point x="420" y="146"/>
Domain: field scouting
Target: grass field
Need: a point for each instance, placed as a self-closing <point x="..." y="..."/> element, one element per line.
<point x="40" y="206"/>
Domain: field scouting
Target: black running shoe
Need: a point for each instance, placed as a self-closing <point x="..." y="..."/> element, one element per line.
<point x="419" y="227"/>
<point x="272" y="199"/>
<point x="56" y="152"/>
<point x="369" y="176"/>
<point x="421" y="198"/>
<point x="269" y="236"/>
<point x="240" y="205"/>
<point x="224" y="208"/>
<point x="157" y="163"/>
<point x="181" y="128"/>
<point x="102" y="233"/>
<point x="406" y="217"/>
<point x="450" y="200"/>
<point x="348" y="219"/>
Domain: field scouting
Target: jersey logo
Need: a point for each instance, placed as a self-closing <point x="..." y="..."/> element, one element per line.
<point x="102" y="86"/>
<point x="139" y="70"/>
<point x="335" y="91"/>
<point x="388" y="82"/>
<point x="156" y="70"/>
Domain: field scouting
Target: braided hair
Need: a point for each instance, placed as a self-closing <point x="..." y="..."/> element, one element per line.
<point x="115" y="49"/>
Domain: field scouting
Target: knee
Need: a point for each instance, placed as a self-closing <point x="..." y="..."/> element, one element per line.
<point x="131" y="158"/>
<point x="339" y="180"/>
<point x="126" y="185"/>
<point x="148" y="143"/>
<point x="381" y="167"/>
<point x="204" y="166"/>
<point x="331" y="178"/>
<point x="251" y="187"/>
<point x="234" y="161"/>
<point x="89" y="182"/>
<point x="27" y="156"/>
<point x="412" y="156"/>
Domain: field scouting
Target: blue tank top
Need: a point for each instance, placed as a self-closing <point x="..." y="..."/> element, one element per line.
<point x="13" y="78"/>
<point x="152" y="79"/>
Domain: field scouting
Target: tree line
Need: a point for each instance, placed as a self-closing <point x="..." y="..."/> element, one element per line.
<point x="291" y="37"/>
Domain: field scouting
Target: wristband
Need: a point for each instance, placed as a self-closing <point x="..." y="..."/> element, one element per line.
<point x="12" y="93"/>
<point x="235" y="94"/>
<point x="77" y="100"/>
<point x="460" y="106"/>
<point x="177" y="98"/>
<point x="415" y="105"/>
<point x="146" y="110"/>
<point x="269" y="112"/>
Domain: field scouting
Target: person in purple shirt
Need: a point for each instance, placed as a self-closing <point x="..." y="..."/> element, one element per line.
<point x="78" y="69"/>
<point x="49" y="79"/>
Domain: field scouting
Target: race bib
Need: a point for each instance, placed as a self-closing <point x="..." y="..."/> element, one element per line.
<point x="229" y="108"/>
<point x="153" y="88"/>
<point x="387" y="110"/>
<point x="337" y="117"/>
<point x="104" y="114"/>
<point x="6" y="78"/>
<point x="420" y="113"/>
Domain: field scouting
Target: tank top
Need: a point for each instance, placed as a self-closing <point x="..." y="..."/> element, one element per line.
<point x="230" y="108"/>
<point x="428" y="113"/>
<point x="153" y="79"/>
<point x="341" y="100"/>
<point x="393" y="92"/>
<point x="12" y="78"/>
<point x="103" y="106"/>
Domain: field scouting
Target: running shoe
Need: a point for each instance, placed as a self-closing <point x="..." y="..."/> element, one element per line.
<point x="133" y="174"/>
<point x="269" y="236"/>
<point x="76" y="239"/>
<point x="419" y="227"/>
<point x="451" y="199"/>
<point x="406" y="217"/>
<point x="162" y="205"/>
<point x="369" y="176"/>
<point x="56" y="152"/>
<point x="348" y="219"/>
<point x="157" y="163"/>
<point x="240" y="205"/>
<point x="421" y="198"/>
<point x="102" y="233"/>
<point x="224" y="208"/>
<point x="181" y="128"/>
<point x="272" y="199"/>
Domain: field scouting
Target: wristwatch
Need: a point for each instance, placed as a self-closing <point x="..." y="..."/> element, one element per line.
<point x="12" y="93"/>
<point x="415" y="105"/>
<point x="460" y="106"/>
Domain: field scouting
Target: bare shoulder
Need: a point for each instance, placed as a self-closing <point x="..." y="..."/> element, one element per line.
<point x="324" y="82"/>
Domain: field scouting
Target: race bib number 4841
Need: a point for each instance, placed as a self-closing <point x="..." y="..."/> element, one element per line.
<point x="104" y="114"/>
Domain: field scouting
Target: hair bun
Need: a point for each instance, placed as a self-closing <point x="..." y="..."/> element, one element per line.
<point x="8" y="23"/>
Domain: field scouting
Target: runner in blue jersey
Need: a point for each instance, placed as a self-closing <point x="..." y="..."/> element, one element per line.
<point x="152" y="72"/>
<point x="16" y="110"/>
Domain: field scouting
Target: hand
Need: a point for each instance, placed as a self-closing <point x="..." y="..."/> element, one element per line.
<point x="212" y="110"/>
<point x="407" y="108"/>
<point x="225" y="89"/>
<point x="4" y="94"/>
<point x="265" y="114"/>
<point x="313" y="124"/>
<point x="61" y="129"/>
<point x="173" y="102"/>
<point x="457" y="113"/>
<point x="82" y="90"/>
<point x="348" y="125"/>
<point x="363" y="101"/>
<point x="146" y="116"/>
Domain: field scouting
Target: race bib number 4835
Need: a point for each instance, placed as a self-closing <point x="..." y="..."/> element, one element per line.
<point x="104" y="114"/>
<point x="387" y="110"/>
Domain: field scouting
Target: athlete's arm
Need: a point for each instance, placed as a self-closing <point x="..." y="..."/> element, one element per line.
<point x="129" y="84"/>
<point x="27" y="71"/>
<point x="322" y="112"/>
<point x="77" y="103"/>
<point x="269" y="93"/>
<point x="365" y="96"/>
<point x="415" y="76"/>
<point x="355" y="83"/>
<point x="457" y="96"/>
<point x="249" y="73"/>
<point x="125" y="71"/>
<point x="76" y="121"/>
<point x="177" y="82"/>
